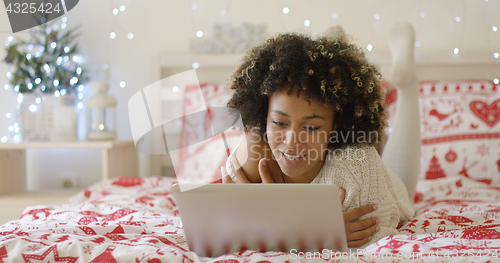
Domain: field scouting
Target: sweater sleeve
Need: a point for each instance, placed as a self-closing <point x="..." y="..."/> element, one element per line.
<point x="229" y="168"/>
<point x="405" y="205"/>
<point x="360" y="171"/>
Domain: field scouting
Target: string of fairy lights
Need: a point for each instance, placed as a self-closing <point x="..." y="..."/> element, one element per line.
<point x="376" y="16"/>
<point x="120" y="32"/>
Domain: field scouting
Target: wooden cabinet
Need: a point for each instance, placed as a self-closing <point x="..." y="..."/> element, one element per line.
<point x="117" y="158"/>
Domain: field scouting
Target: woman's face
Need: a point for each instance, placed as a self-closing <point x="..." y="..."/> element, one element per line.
<point x="298" y="133"/>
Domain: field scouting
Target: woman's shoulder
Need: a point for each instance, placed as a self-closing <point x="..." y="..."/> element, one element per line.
<point x="361" y="160"/>
<point x="354" y="153"/>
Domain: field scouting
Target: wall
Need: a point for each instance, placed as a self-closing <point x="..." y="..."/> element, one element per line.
<point x="166" y="27"/>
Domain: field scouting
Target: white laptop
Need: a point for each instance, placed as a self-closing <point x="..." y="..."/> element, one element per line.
<point x="225" y="218"/>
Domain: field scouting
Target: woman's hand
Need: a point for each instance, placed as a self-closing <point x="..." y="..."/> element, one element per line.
<point x="359" y="233"/>
<point x="264" y="172"/>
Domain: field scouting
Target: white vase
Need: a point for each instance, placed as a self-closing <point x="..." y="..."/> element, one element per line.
<point x="65" y="119"/>
<point x="36" y="117"/>
<point x="50" y="118"/>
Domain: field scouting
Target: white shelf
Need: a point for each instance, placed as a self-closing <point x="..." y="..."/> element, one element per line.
<point x="117" y="158"/>
<point x="448" y="59"/>
<point x="209" y="61"/>
<point x="421" y="59"/>
<point x="75" y="144"/>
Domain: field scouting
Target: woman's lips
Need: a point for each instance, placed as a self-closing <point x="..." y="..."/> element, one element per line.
<point x="292" y="159"/>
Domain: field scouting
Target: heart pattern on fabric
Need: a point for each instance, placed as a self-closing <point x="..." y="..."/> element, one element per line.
<point x="490" y="114"/>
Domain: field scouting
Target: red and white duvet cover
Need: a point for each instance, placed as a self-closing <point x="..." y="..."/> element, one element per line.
<point x="136" y="220"/>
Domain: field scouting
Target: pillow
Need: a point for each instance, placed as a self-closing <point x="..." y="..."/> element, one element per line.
<point x="202" y="155"/>
<point x="460" y="129"/>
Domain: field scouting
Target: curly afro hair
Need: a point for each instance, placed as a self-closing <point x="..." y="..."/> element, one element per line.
<point x="329" y="70"/>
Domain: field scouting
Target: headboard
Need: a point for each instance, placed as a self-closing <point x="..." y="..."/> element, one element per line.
<point x="218" y="68"/>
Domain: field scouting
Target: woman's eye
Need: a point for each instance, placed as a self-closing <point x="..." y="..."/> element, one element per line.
<point x="278" y="123"/>
<point x="311" y="128"/>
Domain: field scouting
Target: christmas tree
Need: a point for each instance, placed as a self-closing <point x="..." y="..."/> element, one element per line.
<point x="47" y="63"/>
<point x="435" y="170"/>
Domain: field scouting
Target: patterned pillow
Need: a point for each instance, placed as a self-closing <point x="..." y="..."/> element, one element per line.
<point x="202" y="152"/>
<point x="460" y="129"/>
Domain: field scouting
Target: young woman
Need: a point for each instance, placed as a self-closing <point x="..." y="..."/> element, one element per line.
<point x="312" y="110"/>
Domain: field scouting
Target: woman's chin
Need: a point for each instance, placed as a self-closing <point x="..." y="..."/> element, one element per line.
<point x="291" y="171"/>
<point x="301" y="168"/>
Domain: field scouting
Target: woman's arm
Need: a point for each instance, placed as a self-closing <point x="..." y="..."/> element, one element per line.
<point x="358" y="233"/>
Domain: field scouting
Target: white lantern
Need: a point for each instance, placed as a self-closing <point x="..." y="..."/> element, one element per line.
<point x="101" y="114"/>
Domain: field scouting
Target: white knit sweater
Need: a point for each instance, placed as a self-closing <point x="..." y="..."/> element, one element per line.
<point x="360" y="171"/>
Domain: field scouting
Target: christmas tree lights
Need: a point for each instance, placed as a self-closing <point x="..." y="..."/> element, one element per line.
<point x="47" y="63"/>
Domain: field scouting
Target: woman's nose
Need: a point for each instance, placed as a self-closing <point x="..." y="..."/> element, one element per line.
<point x="292" y="139"/>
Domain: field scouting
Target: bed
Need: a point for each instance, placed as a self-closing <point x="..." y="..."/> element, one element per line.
<point x="136" y="220"/>
<point x="457" y="202"/>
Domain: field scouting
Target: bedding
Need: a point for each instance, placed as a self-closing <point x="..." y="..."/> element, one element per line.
<point x="459" y="129"/>
<point x="130" y="219"/>
<point x="207" y="99"/>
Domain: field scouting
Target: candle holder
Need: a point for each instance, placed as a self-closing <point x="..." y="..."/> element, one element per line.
<point x="101" y="114"/>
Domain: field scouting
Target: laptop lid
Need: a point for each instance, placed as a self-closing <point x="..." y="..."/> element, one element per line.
<point x="225" y="218"/>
